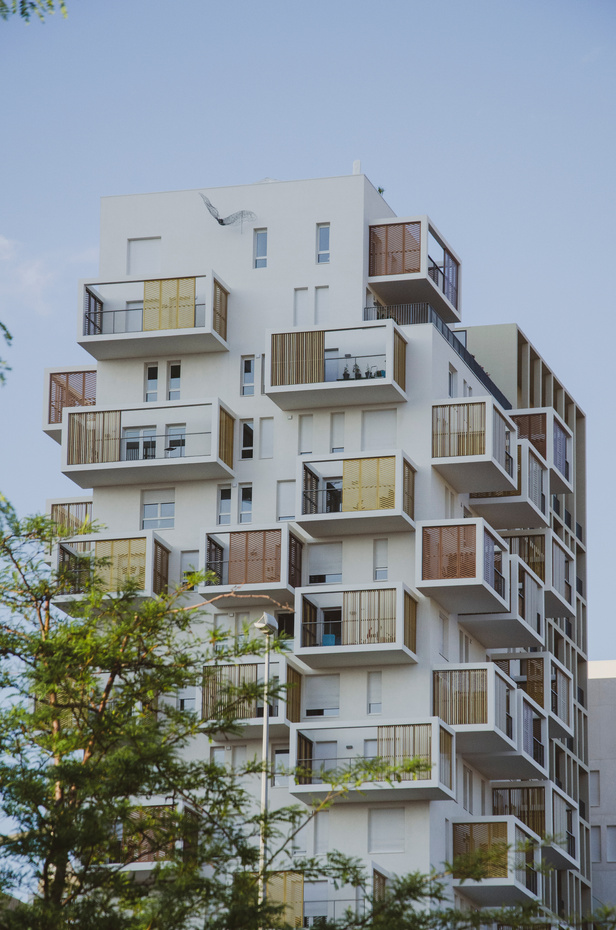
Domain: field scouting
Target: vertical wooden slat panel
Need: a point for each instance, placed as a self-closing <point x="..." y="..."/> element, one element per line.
<point x="448" y="552"/>
<point x="408" y="489"/>
<point x="368" y="484"/>
<point x="94" y="438"/>
<point x="219" y="321"/>
<point x="461" y="696"/>
<point x="395" y="248"/>
<point x="161" y="568"/>
<point x="398" y="744"/>
<point x="532" y="426"/>
<point x="399" y="361"/>
<point x="309" y="623"/>
<point x="72" y="516"/>
<point x="310" y="497"/>
<point x="295" y="561"/>
<point x="410" y="622"/>
<point x="445" y="757"/>
<point x="288" y="888"/>
<point x="298" y="358"/>
<point x="225" y="437"/>
<point x="294" y="694"/>
<point x="254" y="557"/>
<point x="70" y="389"/>
<point x="458" y="430"/>
<point x="125" y="560"/>
<point x="304" y="759"/>
<point x="488" y="837"/>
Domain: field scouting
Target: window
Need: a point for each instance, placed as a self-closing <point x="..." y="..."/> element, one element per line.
<point x="224" y="506"/>
<point x="380" y="559"/>
<point x="371" y="748"/>
<point x="595" y="789"/>
<point x="467" y="789"/>
<point x="611" y="844"/>
<point x="246" y="503"/>
<point x="305" y="434"/>
<point x="158" y="509"/>
<point x="217" y="755"/>
<point x="175" y="441"/>
<point x="322" y="243"/>
<point x="247" y="387"/>
<point x="280" y="777"/>
<point x="452" y="386"/>
<point x="189" y="563"/>
<point x="374" y="692"/>
<point x="465" y="646"/>
<point x="187" y="699"/>
<point x="336" y="433"/>
<point x="286" y="627"/>
<point x="138" y="443"/>
<point x="285" y="500"/>
<point x="173" y="381"/>
<point x="321" y="833"/>
<point x="266" y="438"/>
<point x="325" y="563"/>
<point x="444" y="645"/>
<point x="151" y="383"/>
<point x="143" y="257"/>
<point x="386" y="830"/>
<point x="595" y="844"/>
<point x="378" y="430"/>
<point x="467" y="389"/>
<point x="260" y="241"/>
<point x="322" y="695"/>
<point x="247" y="439"/>
<point x="238" y="755"/>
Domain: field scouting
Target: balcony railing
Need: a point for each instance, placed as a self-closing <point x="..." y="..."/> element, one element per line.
<point x="357" y="618"/>
<point x="354" y="367"/>
<point x="98" y="322"/>
<point x="117" y="561"/>
<point x="252" y="557"/>
<point x="362" y="484"/>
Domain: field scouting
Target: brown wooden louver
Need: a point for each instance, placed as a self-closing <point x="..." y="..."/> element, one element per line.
<point x="94" y="438"/>
<point x="70" y="389"/>
<point x="399" y="361"/>
<point x="225" y="437"/>
<point x="448" y="552"/>
<point x="219" y="320"/>
<point x="295" y="561"/>
<point x="294" y="694"/>
<point x="298" y="358"/>
<point x="461" y="696"/>
<point x="161" y="568"/>
<point x="527" y="804"/>
<point x="168" y="304"/>
<point x="532" y="426"/>
<point x="254" y="557"/>
<point x="395" y="248"/>
<point x="491" y="837"/>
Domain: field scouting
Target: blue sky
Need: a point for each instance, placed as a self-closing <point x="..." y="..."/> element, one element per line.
<point x="495" y="118"/>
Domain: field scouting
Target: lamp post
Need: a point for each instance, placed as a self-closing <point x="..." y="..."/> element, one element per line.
<point x="268" y="625"/>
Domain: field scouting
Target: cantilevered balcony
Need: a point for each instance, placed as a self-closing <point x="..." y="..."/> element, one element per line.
<point x="547" y="682"/>
<point x="151" y="442"/>
<point x="329" y="746"/>
<point x="363" y="626"/>
<point x="363" y="364"/>
<point x="411" y="262"/>
<point x="553" y="441"/>
<point x="142" y="559"/>
<point x="513" y="873"/>
<point x="130" y="319"/>
<point x="363" y="494"/>
<point x="464" y="565"/>
<point x="478" y="702"/>
<point x="548" y="812"/>
<point x="473" y="445"/>
<point x="65" y="388"/>
<point x="71" y="513"/>
<point x="223" y="682"/>
<point x="527" y="506"/>
<point x="552" y="562"/>
<point x="262" y="565"/>
<point x="523" y="623"/>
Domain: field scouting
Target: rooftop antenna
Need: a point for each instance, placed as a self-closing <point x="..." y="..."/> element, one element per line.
<point x="233" y="219"/>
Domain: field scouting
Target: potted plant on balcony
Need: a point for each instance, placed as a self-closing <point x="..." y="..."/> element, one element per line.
<point x="356" y="372"/>
<point x="346" y="374"/>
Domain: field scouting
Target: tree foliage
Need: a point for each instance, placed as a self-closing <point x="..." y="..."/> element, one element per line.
<point x="27" y="8"/>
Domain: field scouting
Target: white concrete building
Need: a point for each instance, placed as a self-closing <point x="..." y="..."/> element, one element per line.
<point x="290" y="401"/>
<point x="602" y="761"/>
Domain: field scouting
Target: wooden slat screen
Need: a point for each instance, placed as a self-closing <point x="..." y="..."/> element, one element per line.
<point x="254" y="557"/>
<point x="410" y="622"/>
<point x="560" y="450"/>
<point x="94" y="438"/>
<point x="461" y="696"/>
<point x="532" y="426"/>
<point x="535" y="680"/>
<point x="395" y="248"/>
<point x="310" y="497"/>
<point x="70" y="389"/>
<point x="500" y="438"/>
<point x="489" y="837"/>
<point x="448" y="552"/>
<point x="72" y="516"/>
<point x="219" y="319"/>
<point x="527" y="804"/>
<point x="399" y="361"/>
<point x="397" y="744"/>
<point x="445" y="757"/>
<point x="92" y="313"/>
<point x="225" y="437"/>
<point x="125" y="560"/>
<point x="379" y="885"/>
<point x="220" y="682"/>
<point x="458" y="429"/>
<point x="368" y="617"/>
<point x="214" y="554"/>
<point x="369" y="484"/>
<point x="304" y="759"/>
<point x="295" y="561"/>
<point x="161" y="568"/>
<point x="408" y="489"/>
<point x="531" y="550"/>
<point x="309" y="623"/>
<point x="168" y="304"/>
<point x="288" y="888"/>
<point x="298" y="358"/>
<point x="147" y="841"/>
<point x="294" y="694"/>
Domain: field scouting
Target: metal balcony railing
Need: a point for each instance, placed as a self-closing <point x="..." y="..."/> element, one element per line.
<point x="354" y="367"/>
<point x="538" y="752"/>
<point x="115" y="322"/>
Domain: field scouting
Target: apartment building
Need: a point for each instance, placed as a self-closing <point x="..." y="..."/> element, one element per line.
<point x="602" y="789"/>
<point x="282" y="392"/>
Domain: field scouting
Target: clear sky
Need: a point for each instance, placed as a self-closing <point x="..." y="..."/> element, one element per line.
<point x="495" y="118"/>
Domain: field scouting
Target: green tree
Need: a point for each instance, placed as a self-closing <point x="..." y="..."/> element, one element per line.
<point x="4" y="367"/>
<point x="26" y="8"/>
<point x="114" y="821"/>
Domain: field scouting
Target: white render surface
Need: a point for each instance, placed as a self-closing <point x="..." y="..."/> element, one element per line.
<point x="602" y="753"/>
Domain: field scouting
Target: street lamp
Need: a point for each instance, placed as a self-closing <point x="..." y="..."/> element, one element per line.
<point x="268" y="625"/>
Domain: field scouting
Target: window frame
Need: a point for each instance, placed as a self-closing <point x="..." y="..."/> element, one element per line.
<point x="323" y="255"/>
<point x="260" y="248"/>
<point x="247" y="387"/>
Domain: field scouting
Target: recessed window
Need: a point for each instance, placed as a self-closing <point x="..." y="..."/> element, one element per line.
<point x="158" y="509"/>
<point x="305" y="434"/>
<point x="336" y="433"/>
<point x="325" y="563"/>
<point x="217" y="755"/>
<point x="247" y="439"/>
<point x="151" y="383"/>
<point x="246" y="503"/>
<point x="322" y="696"/>
<point x="386" y="829"/>
<point x="266" y="438"/>
<point x="247" y="387"/>
<point x="175" y="441"/>
<point x="187" y="699"/>
<point x="374" y="693"/>
<point x="452" y="384"/>
<point x="189" y="564"/>
<point x="380" y="559"/>
<point x="260" y="240"/>
<point x="173" y="381"/>
<point x="281" y="769"/>
<point x="138" y="442"/>
<point x="285" y="500"/>
<point x="224" y="506"/>
<point x="323" y="243"/>
<point x="467" y="789"/>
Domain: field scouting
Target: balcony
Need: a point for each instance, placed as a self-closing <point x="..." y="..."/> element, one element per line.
<point x="547" y="683"/>
<point x="546" y="555"/>
<point x="252" y="567"/>
<point x="318" y="368"/>
<point x="473" y="447"/>
<point x="132" y="319"/>
<point x="527" y="506"/>
<point x="72" y="514"/>
<point x="327" y="747"/>
<point x="219" y="695"/>
<point x="513" y="872"/>
<point x="523" y="623"/>
<point x="553" y="441"/>
<point x="411" y="262"/>
<point x="152" y="442"/>
<point x="543" y="808"/>
<point x="67" y="387"/>
<point x="364" y="494"/>
<point x="143" y="559"/>
<point x="463" y="565"/>
<point x="363" y="626"/>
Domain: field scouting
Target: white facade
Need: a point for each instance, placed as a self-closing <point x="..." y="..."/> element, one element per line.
<point x="602" y="760"/>
<point x="284" y="402"/>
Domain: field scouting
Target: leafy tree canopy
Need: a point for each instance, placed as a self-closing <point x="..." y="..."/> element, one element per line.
<point x="26" y="8"/>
